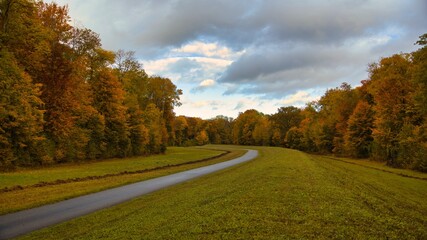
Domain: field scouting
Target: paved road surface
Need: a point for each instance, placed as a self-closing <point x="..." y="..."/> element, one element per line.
<point x="19" y="223"/>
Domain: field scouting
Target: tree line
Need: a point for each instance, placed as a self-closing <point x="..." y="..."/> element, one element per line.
<point x="65" y="98"/>
<point x="384" y="119"/>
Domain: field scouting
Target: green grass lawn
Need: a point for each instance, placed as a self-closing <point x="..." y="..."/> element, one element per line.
<point x="383" y="167"/>
<point x="283" y="194"/>
<point x="174" y="155"/>
<point x="28" y="197"/>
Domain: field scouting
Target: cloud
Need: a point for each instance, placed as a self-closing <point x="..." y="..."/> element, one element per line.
<point x="265" y="50"/>
<point x="187" y="69"/>
<point x="155" y="27"/>
<point x="300" y="98"/>
<point x="275" y="71"/>
<point x="205" y="84"/>
<point x="199" y="104"/>
<point x="239" y="105"/>
<point x="210" y="50"/>
<point x="245" y="103"/>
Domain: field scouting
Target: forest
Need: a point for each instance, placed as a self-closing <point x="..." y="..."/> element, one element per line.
<point x="64" y="98"/>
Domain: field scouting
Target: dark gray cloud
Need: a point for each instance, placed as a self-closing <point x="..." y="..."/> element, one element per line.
<point x="281" y="69"/>
<point x="160" y="24"/>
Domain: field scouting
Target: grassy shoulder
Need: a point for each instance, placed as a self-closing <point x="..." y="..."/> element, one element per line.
<point x="175" y="160"/>
<point x="283" y="194"/>
<point x="173" y="155"/>
<point x="382" y="166"/>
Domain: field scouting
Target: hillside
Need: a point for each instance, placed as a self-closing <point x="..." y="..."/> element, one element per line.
<point x="282" y="194"/>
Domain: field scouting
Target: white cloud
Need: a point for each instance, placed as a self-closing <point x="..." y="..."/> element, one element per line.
<point x="189" y="69"/>
<point x="215" y="61"/>
<point x="199" y="48"/>
<point x="300" y="98"/>
<point x="206" y="103"/>
<point x="157" y="66"/>
<point x="207" y="83"/>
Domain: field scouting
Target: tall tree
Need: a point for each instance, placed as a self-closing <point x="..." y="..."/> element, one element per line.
<point x="180" y="126"/>
<point x="245" y="126"/>
<point x="157" y="133"/>
<point x="358" y="138"/>
<point x="336" y="106"/>
<point x="392" y="89"/>
<point x="165" y="96"/>
<point x="109" y="97"/>
<point x="134" y="80"/>
<point x="283" y="120"/>
<point x="219" y="130"/>
<point x="20" y="116"/>
<point x="418" y="137"/>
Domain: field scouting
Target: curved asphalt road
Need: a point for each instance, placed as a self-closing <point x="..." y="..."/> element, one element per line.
<point x="19" y="223"/>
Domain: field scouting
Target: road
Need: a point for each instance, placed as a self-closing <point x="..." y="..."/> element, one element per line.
<point x="19" y="223"/>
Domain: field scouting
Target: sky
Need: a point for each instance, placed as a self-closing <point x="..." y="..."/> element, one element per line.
<point x="231" y="56"/>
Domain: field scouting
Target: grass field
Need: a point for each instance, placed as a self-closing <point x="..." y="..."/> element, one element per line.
<point x="174" y="155"/>
<point x="283" y="194"/>
<point x="31" y="196"/>
<point x="382" y="166"/>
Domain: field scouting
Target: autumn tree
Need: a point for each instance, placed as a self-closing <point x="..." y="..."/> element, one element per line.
<point x="262" y="132"/>
<point x="251" y="128"/>
<point x="303" y="137"/>
<point x="165" y="96"/>
<point x="202" y="138"/>
<point x="180" y="126"/>
<point x="219" y="130"/>
<point x="391" y="86"/>
<point x="358" y="138"/>
<point x="336" y="106"/>
<point x="20" y="116"/>
<point x="133" y="79"/>
<point x="282" y="121"/>
<point x="419" y="74"/>
<point x="64" y="98"/>
<point x="157" y="132"/>
<point x="109" y="98"/>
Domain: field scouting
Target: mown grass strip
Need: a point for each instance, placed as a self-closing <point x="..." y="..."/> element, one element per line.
<point x="173" y="156"/>
<point x="283" y="194"/>
<point x="82" y="179"/>
<point x="32" y="197"/>
<point x="382" y="167"/>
